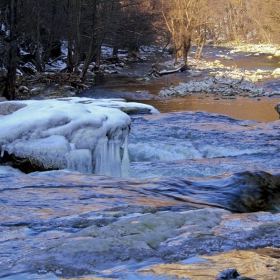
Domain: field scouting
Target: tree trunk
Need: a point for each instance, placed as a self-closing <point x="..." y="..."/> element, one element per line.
<point x="10" y="87"/>
<point x="38" y="36"/>
<point x="91" y="49"/>
<point x="96" y="41"/>
<point x="201" y="41"/>
<point x="115" y="51"/>
<point x="70" y="36"/>
<point x="186" y="48"/>
<point x="98" y="57"/>
<point x="77" y="47"/>
<point x="175" y="57"/>
<point x="177" y="53"/>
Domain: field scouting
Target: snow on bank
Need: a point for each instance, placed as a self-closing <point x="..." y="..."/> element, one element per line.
<point x="222" y="80"/>
<point x="258" y="48"/>
<point x="219" y="84"/>
<point x="80" y="134"/>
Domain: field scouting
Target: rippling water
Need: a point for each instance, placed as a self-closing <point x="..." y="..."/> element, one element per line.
<point x="190" y="144"/>
<point x="179" y="161"/>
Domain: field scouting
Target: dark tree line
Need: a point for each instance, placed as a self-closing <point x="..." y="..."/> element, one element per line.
<point x="40" y="27"/>
<point x="34" y="30"/>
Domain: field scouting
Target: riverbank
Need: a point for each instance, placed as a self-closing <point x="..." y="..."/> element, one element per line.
<point x="245" y="93"/>
<point x="54" y="83"/>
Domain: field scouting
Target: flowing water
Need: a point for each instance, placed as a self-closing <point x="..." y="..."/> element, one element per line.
<point x="196" y="153"/>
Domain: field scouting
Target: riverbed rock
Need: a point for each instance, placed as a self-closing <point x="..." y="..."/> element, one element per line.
<point x="277" y="108"/>
<point x="8" y="108"/>
<point x="228" y="274"/>
<point x="23" y="89"/>
<point x="165" y="236"/>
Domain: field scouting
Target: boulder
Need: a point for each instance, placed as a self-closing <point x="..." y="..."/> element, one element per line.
<point x="277" y="108"/>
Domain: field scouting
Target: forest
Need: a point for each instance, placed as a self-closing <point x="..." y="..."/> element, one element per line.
<point x="33" y="31"/>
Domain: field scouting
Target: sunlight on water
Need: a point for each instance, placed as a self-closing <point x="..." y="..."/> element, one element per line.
<point x="242" y="108"/>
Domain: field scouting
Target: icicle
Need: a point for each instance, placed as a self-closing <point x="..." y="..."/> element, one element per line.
<point x="101" y="157"/>
<point x="107" y="156"/>
<point x="114" y="158"/>
<point x="125" y="159"/>
<point x="80" y="160"/>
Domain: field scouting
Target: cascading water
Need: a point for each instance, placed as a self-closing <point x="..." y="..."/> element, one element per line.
<point x="199" y="145"/>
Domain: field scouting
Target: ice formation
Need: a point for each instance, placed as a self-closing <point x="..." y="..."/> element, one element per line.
<point x="76" y="133"/>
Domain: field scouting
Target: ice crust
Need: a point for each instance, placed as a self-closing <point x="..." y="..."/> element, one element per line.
<point x="75" y="133"/>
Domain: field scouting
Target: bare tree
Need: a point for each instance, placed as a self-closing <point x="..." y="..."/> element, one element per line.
<point x="12" y="24"/>
<point x="181" y="20"/>
<point x="101" y="13"/>
<point x="77" y="45"/>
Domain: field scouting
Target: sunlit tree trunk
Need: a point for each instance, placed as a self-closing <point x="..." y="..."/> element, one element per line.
<point x="201" y="40"/>
<point x="181" y="18"/>
<point x="186" y="48"/>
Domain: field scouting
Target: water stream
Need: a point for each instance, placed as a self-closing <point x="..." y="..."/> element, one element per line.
<point x="197" y="153"/>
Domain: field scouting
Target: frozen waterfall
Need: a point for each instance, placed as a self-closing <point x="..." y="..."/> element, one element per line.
<point x="73" y="133"/>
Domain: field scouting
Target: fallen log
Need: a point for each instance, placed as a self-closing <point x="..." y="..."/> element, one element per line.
<point x="166" y="72"/>
<point x="156" y="72"/>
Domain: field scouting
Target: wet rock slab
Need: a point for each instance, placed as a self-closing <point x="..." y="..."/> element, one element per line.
<point x="162" y="236"/>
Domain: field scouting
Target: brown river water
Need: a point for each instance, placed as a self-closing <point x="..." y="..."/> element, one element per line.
<point x="127" y="84"/>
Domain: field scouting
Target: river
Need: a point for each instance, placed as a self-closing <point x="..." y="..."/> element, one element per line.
<point x="197" y="153"/>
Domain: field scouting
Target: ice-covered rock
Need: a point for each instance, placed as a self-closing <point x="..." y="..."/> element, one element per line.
<point x="76" y="133"/>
